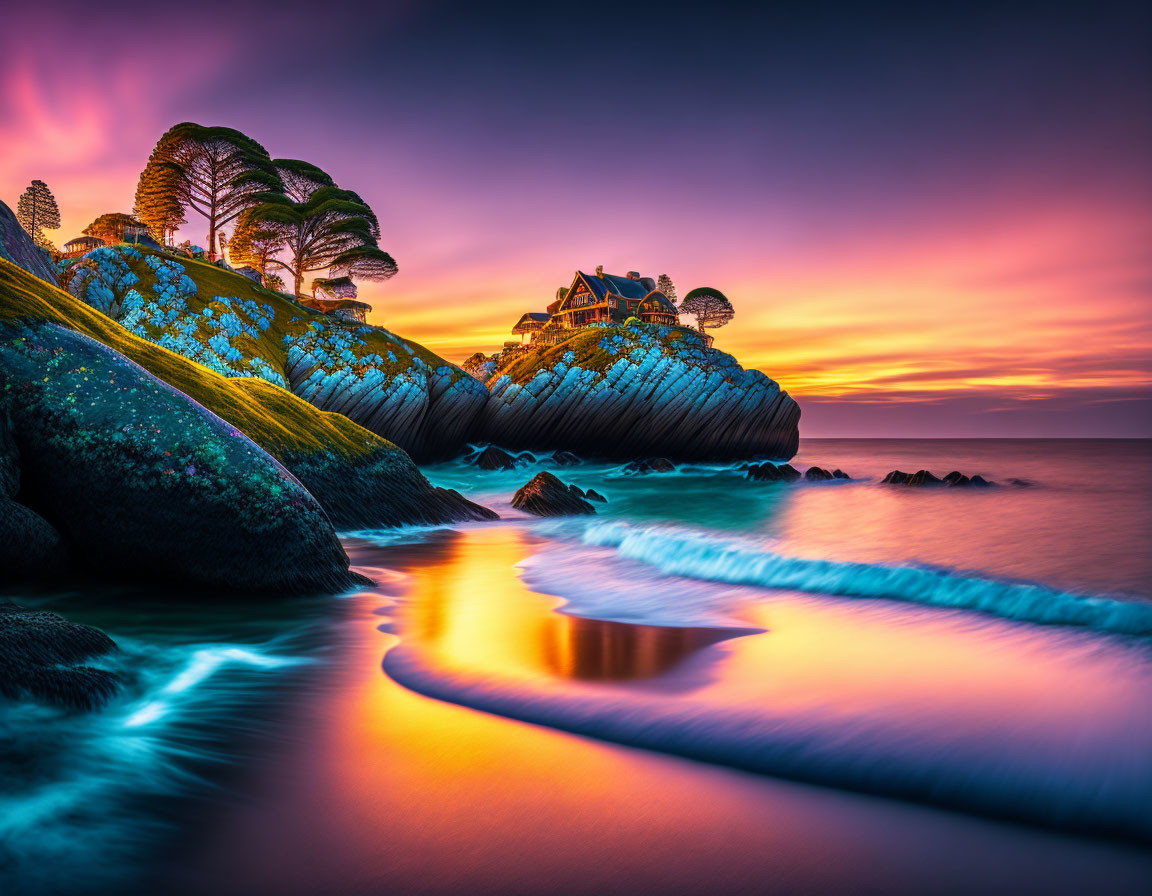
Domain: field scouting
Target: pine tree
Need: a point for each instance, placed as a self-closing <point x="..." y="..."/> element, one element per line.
<point x="664" y="284"/>
<point x="37" y="211"/>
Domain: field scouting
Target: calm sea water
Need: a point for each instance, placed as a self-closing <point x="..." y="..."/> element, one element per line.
<point x="712" y="685"/>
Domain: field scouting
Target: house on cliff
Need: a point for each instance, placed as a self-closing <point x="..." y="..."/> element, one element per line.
<point x="595" y="299"/>
<point x="336" y="296"/>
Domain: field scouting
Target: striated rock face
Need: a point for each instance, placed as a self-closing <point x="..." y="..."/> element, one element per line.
<point x="636" y="390"/>
<point x="17" y="247"/>
<point x="222" y="320"/>
<point x="140" y="479"/>
<point x="545" y="495"/>
<point x="423" y="404"/>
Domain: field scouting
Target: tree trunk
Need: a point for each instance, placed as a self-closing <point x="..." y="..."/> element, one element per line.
<point x="299" y="280"/>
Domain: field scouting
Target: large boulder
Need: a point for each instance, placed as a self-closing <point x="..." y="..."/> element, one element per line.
<point x="494" y="458"/>
<point x="40" y="657"/>
<point x="141" y="480"/>
<point x="545" y="495"/>
<point x="638" y="390"/>
<point x="360" y="479"/>
<point x="17" y="247"/>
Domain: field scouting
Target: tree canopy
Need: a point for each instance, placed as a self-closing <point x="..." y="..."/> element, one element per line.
<point x="37" y="211"/>
<point x="710" y="307"/>
<point x="254" y="245"/>
<point x="216" y="171"/>
<point x="110" y="227"/>
<point x="330" y="228"/>
<point x="665" y="285"/>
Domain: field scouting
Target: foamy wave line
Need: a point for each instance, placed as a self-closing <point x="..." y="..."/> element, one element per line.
<point x="682" y="553"/>
<point x="914" y="761"/>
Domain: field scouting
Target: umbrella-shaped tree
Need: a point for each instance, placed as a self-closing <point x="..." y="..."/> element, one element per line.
<point x="710" y="307"/>
<point x="331" y="229"/>
<point x="216" y="171"/>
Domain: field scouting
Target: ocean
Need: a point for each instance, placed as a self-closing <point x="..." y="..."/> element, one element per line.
<point x="713" y="684"/>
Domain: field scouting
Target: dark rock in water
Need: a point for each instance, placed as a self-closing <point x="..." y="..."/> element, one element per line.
<point x="956" y="479"/>
<point x="840" y="474"/>
<point x="897" y="477"/>
<point x="770" y="472"/>
<point x="650" y="465"/>
<point x="979" y="481"/>
<point x="817" y="474"/>
<point x="526" y="457"/>
<point x="493" y="458"/>
<point x="40" y="654"/>
<point x="577" y="491"/>
<point x="140" y="479"/>
<point x="566" y="459"/>
<point x="379" y="489"/>
<point x="1021" y="483"/>
<point x="545" y="495"/>
<point x="923" y="478"/>
<point x="593" y="495"/>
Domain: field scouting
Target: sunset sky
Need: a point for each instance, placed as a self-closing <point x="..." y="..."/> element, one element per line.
<point x="929" y="222"/>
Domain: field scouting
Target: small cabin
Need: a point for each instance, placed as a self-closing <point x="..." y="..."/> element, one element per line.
<point x="531" y="324"/>
<point x="608" y="298"/>
<point x="82" y="245"/>
<point x="336" y="296"/>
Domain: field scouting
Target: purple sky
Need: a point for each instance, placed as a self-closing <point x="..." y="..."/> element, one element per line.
<point x="930" y="222"/>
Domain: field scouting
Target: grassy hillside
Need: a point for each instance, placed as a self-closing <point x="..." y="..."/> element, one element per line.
<point x="272" y="417"/>
<point x="222" y="319"/>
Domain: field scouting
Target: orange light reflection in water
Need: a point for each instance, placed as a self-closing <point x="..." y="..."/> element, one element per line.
<point x="371" y="788"/>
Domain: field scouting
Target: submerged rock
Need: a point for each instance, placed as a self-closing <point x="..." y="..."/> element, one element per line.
<point x="493" y="458"/>
<point x="141" y="480"/>
<point x="638" y="390"/>
<point x="840" y="474"/>
<point x="566" y="459"/>
<point x="924" y="478"/>
<point x="546" y="495"/>
<point x="817" y="474"/>
<point x="650" y="465"/>
<point x="40" y="654"/>
<point x="770" y="472"/>
<point x="593" y="495"/>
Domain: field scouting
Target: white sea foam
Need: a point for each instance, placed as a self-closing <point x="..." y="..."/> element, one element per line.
<point x="676" y="551"/>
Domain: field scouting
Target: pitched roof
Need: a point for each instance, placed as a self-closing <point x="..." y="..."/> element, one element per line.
<point x="612" y="283"/>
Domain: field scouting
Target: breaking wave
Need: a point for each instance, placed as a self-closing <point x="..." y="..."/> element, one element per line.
<point x="680" y="552"/>
<point x="913" y="759"/>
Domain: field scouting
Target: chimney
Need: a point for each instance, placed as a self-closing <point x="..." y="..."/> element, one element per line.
<point x="599" y="270"/>
<point x="633" y="275"/>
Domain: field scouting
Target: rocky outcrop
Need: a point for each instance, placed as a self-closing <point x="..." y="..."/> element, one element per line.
<point x="769" y="472"/>
<point x="17" y="247"/>
<point x="818" y="474"/>
<point x="140" y="480"/>
<point x="360" y="479"/>
<point x="222" y="320"/>
<point x="635" y="390"/>
<point x="566" y="459"/>
<point x="924" y="478"/>
<point x="40" y="657"/>
<point x="545" y="495"/>
<point x="650" y="465"/>
<point x="493" y="458"/>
